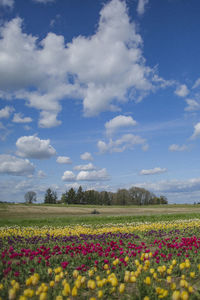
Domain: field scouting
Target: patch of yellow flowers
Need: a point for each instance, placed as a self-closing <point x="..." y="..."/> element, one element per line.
<point x="73" y="286"/>
<point x="97" y="229"/>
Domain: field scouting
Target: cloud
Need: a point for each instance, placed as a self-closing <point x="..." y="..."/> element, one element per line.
<point x="4" y="132"/>
<point x="99" y="175"/>
<point x="172" y="186"/>
<point x="182" y="90"/>
<point x="18" y="118"/>
<point x="96" y="61"/>
<point x="88" y="185"/>
<point x="87" y="173"/>
<point x="127" y="141"/>
<point x="193" y="105"/>
<point x="87" y="167"/>
<point x="5" y="112"/>
<point x="63" y="160"/>
<point x="48" y="119"/>
<point x="196" y="84"/>
<point x="196" y="131"/>
<point x="119" y="122"/>
<point x="9" y="3"/>
<point x="27" y="127"/>
<point x="154" y="171"/>
<point x="74" y="185"/>
<point x="103" y="69"/>
<point x="13" y="165"/>
<point x="87" y="156"/>
<point x="175" y="147"/>
<point x="55" y="20"/>
<point x="141" y="6"/>
<point x="27" y="63"/>
<point x="33" y="147"/>
<point x="68" y="176"/>
<point x="41" y="174"/>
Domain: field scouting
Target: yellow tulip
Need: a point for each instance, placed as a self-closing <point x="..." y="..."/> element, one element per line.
<point x="91" y="284"/>
<point x="100" y="294"/>
<point x="74" y="291"/>
<point x="176" y="295"/>
<point x="121" y="288"/>
<point x="43" y="296"/>
<point x="192" y="274"/>
<point x="11" y="294"/>
<point x="184" y="295"/>
<point x="147" y="280"/>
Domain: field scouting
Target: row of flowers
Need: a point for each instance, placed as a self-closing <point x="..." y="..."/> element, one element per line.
<point x="149" y="262"/>
<point x="97" y="228"/>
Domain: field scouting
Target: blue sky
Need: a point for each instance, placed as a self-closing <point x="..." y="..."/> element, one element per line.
<point x="102" y="94"/>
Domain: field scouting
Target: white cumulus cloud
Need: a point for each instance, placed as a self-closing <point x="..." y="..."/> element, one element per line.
<point x="102" y="70"/>
<point x="41" y="174"/>
<point x="13" y="165"/>
<point x="86" y="156"/>
<point x="34" y="147"/>
<point x="119" y="122"/>
<point x="68" y="176"/>
<point x="141" y="6"/>
<point x="154" y="171"/>
<point x="196" y="84"/>
<point x="173" y="186"/>
<point x="63" y="160"/>
<point x="182" y="90"/>
<point x="127" y="141"/>
<point x="5" y="112"/>
<point x="196" y="131"/>
<point x="9" y="3"/>
<point x="193" y="105"/>
<point x="48" y="119"/>
<point x="93" y="175"/>
<point x="19" y="118"/>
<point x="175" y="147"/>
<point x="87" y="167"/>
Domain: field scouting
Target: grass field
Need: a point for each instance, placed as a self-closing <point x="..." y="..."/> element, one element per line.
<point x="19" y="214"/>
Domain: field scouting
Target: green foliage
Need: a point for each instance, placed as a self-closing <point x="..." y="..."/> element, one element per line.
<point x="133" y="196"/>
<point x="97" y="219"/>
<point x="80" y="196"/>
<point x="71" y="196"/>
<point x="50" y="196"/>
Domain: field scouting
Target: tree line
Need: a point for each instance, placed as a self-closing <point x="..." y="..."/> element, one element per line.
<point x="132" y="196"/>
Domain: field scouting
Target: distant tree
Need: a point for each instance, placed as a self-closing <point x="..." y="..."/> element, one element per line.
<point x="64" y="198"/>
<point x="106" y="199"/>
<point x="92" y="197"/>
<point x="30" y="197"/>
<point x="163" y="200"/>
<point x="55" y="197"/>
<point x="71" y="196"/>
<point x="50" y="196"/>
<point x="80" y="196"/>
<point x="123" y="197"/>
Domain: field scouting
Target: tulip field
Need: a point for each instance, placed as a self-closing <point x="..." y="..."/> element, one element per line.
<point x="138" y="260"/>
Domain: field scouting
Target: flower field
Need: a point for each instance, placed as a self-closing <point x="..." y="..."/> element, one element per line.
<point x="112" y="261"/>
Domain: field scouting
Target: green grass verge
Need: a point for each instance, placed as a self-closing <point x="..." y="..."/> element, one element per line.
<point x="63" y="221"/>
